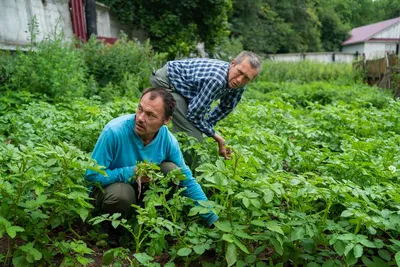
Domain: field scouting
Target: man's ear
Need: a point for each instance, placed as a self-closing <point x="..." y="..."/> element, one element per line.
<point x="233" y="61"/>
<point x="168" y="120"/>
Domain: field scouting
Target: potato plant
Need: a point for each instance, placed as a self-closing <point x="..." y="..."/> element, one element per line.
<point x="313" y="181"/>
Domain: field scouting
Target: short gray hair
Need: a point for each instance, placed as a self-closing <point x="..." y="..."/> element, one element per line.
<point x="253" y="58"/>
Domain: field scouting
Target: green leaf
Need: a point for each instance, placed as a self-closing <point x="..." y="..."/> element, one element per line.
<point x="224" y="226"/>
<point x="200" y="249"/>
<point x="350" y="259"/>
<point x="358" y="251"/>
<point x="12" y="230"/>
<point x="84" y="261"/>
<point x="83" y="213"/>
<point x="397" y="258"/>
<point x="228" y="237"/>
<point x="108" y="256"/>
<point x="240" y="245"/>
<point x="328" y="263"/>
<point x="278" y="246"/>
<point x="339" y="247"/>
<point x="143" y="258"/>
<point x="367" y="243"/>
<point x="51" y="162"/>
<point x="346" y="237"/>
<point x="35" y="254"/>
<point x="258" y="223"/>
<point x="231" y="254"/>
<point x="246" y="202"/>
<point x="384" y="254"/>
<point x="250" y="258"/>
<point x="379" y="262"/>
<point x="255" y="203"/>
<point x="242" y="234"/>
<point x="263" y="264"/>
<point x="298" y="233"/>
<point x="183" y="252"/>
<point x="347" y="213"/>
<point x="268" y="196"/>
<point x="273" y="226"/>
<point x="115" y="224"/>
<point x="347" y="249"/>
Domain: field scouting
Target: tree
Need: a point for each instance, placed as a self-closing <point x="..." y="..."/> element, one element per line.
<point x="175" y="26"/>
<point x="258" y="26"/>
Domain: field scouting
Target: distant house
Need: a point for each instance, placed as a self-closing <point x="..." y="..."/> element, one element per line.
<point x="374" y="40"/>
<point x="66" y="15"/>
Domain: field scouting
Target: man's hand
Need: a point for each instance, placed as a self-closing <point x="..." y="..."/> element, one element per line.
<point x="141" y="178"/>
<point x="223" y="150"/>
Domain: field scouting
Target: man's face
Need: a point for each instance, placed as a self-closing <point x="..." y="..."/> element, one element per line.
<point x="240" y="74"/>
<point x="149" y="117"/>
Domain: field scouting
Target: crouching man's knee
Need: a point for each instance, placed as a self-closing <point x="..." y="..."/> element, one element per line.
<point x="166" y="167"/>
<point x="117" y="198"/>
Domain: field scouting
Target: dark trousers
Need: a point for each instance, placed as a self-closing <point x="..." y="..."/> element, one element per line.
<point x="118" y="197"/>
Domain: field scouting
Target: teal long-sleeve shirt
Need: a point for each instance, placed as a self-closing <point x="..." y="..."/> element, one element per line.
<point x="119" y="148"/>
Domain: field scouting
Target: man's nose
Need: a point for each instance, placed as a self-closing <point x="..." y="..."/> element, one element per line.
<point x="140" y="116"/>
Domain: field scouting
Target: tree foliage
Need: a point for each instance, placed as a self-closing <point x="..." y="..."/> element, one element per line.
<point x="263" y="26"/>
<point x="176" y="26"/>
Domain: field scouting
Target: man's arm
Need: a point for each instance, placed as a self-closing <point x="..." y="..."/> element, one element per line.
<point x="193" y="189"/>
<point x="226" y="104"/>
<point x="103" y="153"/>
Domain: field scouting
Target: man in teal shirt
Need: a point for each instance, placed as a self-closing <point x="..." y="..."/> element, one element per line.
<point x="133" y="138"/>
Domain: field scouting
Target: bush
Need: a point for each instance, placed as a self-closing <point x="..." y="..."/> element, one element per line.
<point x="55" y="69"/>
<point x="120" y="69"/>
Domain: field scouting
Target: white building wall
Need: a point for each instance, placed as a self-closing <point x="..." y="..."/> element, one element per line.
<point x="352" y="49"/>
<point x="374" y="50"/>
<point x="340" y="57"/>
<point x="392" y="32"/>
<point x="16" y="14"/>
<point x="103" y="20"/>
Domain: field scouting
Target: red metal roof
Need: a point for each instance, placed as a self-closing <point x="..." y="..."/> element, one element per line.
<point x="364" y="33"/>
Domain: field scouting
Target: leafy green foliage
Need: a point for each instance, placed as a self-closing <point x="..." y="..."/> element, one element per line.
<point x="308" y="71"/>
<point x="120" y="69"/>
<point x="54" y="68"/>
<point x="175" y="27"/>
<point x="312" y="181"/>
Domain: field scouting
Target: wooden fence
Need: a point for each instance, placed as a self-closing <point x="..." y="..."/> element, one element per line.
<point x="383" y="72"/>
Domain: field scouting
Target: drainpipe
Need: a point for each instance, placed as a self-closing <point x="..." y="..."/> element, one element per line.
<point x="90" y="12"/>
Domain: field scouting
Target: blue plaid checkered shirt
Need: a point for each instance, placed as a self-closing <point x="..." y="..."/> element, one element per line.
<point x="202" y="81"/>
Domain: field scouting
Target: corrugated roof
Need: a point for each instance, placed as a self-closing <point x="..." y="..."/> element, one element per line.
<point x="363" y="33"/>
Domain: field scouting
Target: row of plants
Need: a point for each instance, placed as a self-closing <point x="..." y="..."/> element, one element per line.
<point x="59" y="68"/>
<point x="313" y="181"/>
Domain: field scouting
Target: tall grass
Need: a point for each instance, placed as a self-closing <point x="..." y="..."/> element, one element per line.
<point x="308" y="71"/>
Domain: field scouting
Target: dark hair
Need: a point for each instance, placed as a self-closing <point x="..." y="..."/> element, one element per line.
<point x="168" y="99"/>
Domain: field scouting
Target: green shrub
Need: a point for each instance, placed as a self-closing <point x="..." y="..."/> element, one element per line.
<point x="7" y="62"/>
<point x="120" y="69"/>
<point x="55" y="68"/>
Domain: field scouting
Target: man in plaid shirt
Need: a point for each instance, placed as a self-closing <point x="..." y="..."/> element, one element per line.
<point x="196" y="82"/>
